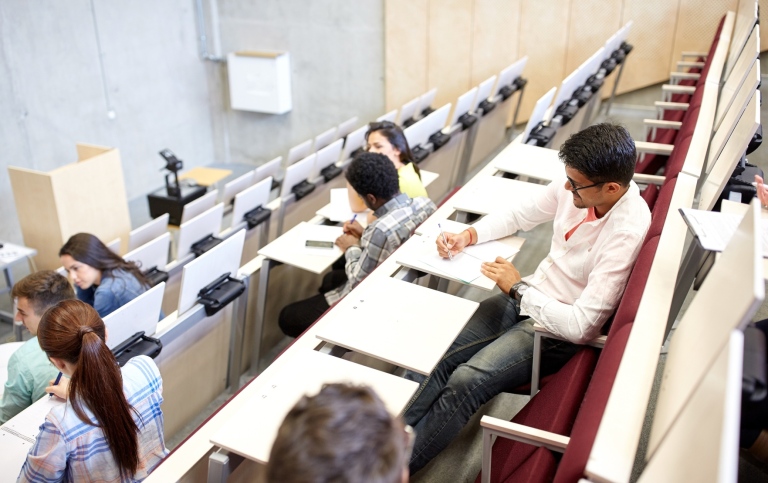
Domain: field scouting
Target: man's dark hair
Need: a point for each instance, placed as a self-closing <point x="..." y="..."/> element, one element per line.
<point x="43" y="289"/>
<point x="344" y="434"/>
<point x="373" y="174"/>
<point x="602" y="153"/>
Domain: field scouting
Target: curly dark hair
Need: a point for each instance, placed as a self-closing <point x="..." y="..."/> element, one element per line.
<point x="373" y="174"/>
<point x="603" y="153"/>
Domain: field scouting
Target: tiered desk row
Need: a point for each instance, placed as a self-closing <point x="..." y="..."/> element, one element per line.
<point x="450" y="143"/>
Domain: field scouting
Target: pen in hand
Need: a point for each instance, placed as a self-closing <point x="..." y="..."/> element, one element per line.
<point x="450" y="257"/>
<point x="55" y="383"/>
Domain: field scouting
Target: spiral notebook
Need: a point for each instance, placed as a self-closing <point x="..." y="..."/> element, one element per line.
<point x="18" y="435"/>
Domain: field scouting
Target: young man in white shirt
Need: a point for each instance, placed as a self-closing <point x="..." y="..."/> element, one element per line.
<point x="600" y="222"/>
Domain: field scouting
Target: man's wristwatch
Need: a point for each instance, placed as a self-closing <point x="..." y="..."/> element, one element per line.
<point x="517" y="290"/>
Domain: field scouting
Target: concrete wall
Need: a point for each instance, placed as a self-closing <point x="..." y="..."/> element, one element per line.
<point x="57" y="85"/>
<point x="337" y="67"/>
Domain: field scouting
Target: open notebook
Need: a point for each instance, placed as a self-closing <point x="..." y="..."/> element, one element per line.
<point x="18" y="435"/>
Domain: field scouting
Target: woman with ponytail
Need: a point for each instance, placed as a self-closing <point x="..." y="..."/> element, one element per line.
<point x="111" y="428"/>
<point x="102" y="278"/>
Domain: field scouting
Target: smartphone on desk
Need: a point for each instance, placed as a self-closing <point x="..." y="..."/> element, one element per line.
<point x="318" y="244"/>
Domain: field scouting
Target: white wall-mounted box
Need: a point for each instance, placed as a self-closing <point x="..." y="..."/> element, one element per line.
<point x="260" y="81"/>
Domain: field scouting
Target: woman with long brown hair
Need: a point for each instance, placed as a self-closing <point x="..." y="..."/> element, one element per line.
<point x="102" y="278"/>
<point x="111" y="428"/>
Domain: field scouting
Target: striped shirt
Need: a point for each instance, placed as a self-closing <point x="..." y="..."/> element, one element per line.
<point x="67" y="449"/>
<point x="394" y="224"/>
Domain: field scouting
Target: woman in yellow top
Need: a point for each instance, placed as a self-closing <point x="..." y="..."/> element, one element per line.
<point x="388" y="139"/>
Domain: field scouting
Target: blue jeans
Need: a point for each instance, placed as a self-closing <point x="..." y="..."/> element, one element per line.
<point x="493" y="354"/>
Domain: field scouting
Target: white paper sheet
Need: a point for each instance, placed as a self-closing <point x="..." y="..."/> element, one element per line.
<point x="714" y="230"/>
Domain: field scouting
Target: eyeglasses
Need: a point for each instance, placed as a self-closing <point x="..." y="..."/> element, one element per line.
<point x="575" y="188"/>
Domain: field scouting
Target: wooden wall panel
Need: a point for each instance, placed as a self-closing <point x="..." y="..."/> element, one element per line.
<point x="591" y="23"/>
<point x="454" y="45"/>
<point x="543" y="36"/>
<point x="652" y="34"/>
<point x="450" y="47"/>
<point x="405" y="50"/>
<point x="696" y="25"/>
<point x="495" y="28"/>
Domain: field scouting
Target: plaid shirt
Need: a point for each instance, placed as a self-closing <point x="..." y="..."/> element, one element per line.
<point x="67" y="449"/>
<point x="395" y="222"/>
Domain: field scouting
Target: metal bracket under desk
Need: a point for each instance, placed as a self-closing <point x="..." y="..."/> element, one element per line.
<point x="615" y="86"/>
<point x="466" y="155"/>
<point x="221" y="464"/>
<point x="237" y="337"/>
<point x="517" y="111"/>
<point x="692" y="262"/>
<point x="261" y="309"/>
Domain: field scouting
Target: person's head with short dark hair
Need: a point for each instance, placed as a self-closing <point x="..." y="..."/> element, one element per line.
<point x="599" y="165"/>
<point x="343" y="434"/>
<point x="602" y="153"/>
<point x="374" y="178"/>
<point x="36" y="292"/>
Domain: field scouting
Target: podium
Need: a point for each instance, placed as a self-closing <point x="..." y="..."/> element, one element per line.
<point x="87" y="196"/>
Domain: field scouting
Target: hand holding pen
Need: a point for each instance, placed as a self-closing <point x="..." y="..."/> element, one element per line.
<point x="58" y="387"/>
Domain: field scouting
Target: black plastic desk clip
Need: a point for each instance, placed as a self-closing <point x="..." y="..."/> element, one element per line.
<point x="217" y="294"/>
<point x="204" y="244"/>
<point x="331" y="171"/>
<point x="467" y="120"/>
<point x="155" y="276"/>
<point x="257" y="216"/>
<point x="137" y="345"/>
<point x="302" y="189"/>
<point x="487" y="106"/>
<point x="439" y="139"/>
<point x="419" y="154"/>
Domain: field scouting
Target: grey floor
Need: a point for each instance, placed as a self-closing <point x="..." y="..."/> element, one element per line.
<point x="461" y="461"/>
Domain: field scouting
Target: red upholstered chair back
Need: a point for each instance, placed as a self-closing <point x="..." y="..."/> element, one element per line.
<point x="649" y="194"/>
<point x="585" y="427"/>
<point x="552" y="409"/>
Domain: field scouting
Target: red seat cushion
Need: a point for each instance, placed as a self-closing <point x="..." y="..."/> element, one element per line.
<point x="659" y="213"/>
<point x="539" y="468"/>
<point x="551" y="409"/>
<point x="585" y="427"/>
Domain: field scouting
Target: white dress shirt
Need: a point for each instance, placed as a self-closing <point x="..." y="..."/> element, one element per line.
<point x="580" y="283"/>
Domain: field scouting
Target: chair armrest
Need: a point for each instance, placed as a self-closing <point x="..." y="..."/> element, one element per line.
<point x="662" y="124"/>
<point x="667" y="90"/>
<point x="498" y="427"/>
<point x="686" y="54"/>
<point x="675" y="77"/>
<point x="671" y="106"/>
<point x="641" y="178"/>
<point x="524" y="434"/>
<point x="539" y="332"/>
<point x="678" y="89"/>
<point x="598" y="341"/>
<point x="653" y="148"/>
<point x="684" y="64"/>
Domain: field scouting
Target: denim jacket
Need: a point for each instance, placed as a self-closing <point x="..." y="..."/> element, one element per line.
<point x="116" y="289"/>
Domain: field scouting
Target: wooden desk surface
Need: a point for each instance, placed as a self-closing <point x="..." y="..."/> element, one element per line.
<point x="398" y="322"/>
<point x="252" y="430"/>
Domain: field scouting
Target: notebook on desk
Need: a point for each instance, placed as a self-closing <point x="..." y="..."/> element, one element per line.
<point x="714" y="230"/>
<point x="18" y="435"/>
